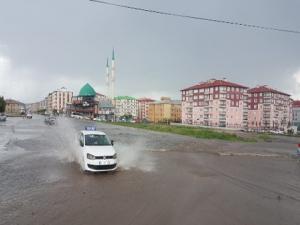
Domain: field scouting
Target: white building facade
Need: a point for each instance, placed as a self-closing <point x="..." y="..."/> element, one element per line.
<point x="58" y="100"/>
<point x="126" y="105"/>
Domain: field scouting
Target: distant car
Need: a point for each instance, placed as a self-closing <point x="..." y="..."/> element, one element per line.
<point x="97" y="119"/>
<point x="276" y="132"/>
<point x="2" y="117"/>
<point x="97" y="151"/>
<point x="50" y="120"/>
<point x="29" y="116"/>
<point x="76" y="116"/>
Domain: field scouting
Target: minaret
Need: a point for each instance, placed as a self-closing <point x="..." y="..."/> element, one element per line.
<point x="113" y="75"/>
<point x="107" y="78"/>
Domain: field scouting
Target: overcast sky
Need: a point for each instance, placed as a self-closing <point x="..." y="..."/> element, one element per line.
<point x="48" y="44"/>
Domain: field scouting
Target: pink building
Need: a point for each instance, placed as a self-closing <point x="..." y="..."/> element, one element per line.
<point x="143" y="108"/>
<point x="216" y="103"/>
<point x="296" y="113"/>
<point x="269" y="109"/>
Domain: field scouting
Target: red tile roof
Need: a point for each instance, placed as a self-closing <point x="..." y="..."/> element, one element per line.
<point x="214" y="83"/>
<point x="296" y="103"/>
<point x="264" y="88"/>
<point x="146" y="100"/>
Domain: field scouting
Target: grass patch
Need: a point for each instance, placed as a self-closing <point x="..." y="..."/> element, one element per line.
<point x="188" y="131"/>
<point x="264" y="137"/>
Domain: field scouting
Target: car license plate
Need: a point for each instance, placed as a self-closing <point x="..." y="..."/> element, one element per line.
<point x="104" y="162"/>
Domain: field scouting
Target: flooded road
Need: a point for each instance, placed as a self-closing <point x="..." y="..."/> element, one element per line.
<point x="163" y="179"/>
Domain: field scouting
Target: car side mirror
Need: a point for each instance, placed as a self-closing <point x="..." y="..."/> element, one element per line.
<point x="81" y="143"/>
<point x="112" y="142"/>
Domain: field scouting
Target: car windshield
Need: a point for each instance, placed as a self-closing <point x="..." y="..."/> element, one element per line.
<point x="96" y="140"/>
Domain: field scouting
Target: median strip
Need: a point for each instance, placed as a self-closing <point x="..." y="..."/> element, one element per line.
<point x="204" y="133"/>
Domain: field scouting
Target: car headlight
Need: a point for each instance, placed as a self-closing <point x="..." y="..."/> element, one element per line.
<point x="90" y="156"/>
<point x="115" y="156"/>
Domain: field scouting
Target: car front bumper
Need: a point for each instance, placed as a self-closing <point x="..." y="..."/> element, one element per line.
<point x="99" y="166"/>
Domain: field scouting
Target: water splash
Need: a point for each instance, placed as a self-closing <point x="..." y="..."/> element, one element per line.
<point x="69" y="149"/>
<point x="135" y="156"/>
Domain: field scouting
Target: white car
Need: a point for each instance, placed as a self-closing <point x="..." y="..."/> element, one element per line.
<point x="2" y="117"/>
<point x="98" y="119"/>
<point x="97" y="151"/>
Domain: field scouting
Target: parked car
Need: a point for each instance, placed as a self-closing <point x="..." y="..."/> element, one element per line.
<point x="50" y="120"/>
<point x="98" y="119"/>
<point x="76" y="116"/>
<point x="2" y="117"/>
<point x="277" y="132"/>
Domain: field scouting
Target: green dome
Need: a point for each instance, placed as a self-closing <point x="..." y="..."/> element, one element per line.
<point x="87" y="90"/>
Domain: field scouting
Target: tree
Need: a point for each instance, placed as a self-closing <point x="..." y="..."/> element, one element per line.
<point x="2" y="105"/>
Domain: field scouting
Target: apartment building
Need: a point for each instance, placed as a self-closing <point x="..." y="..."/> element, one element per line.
<point x="37" y="106"/>
<point x="296" y="113"/>
<point x="269" y="109"/>
<point x="126" y="105"/>
<point x="33" y="107"/>
<point x="43" y="104"/>
<point x="14" y="108"/>
<point x="58" y="100"/>
<point x="106" y="109"/>
<point x="143" y="108"/>
<point x="215" y="103"/>
<point x="166" y="110"/>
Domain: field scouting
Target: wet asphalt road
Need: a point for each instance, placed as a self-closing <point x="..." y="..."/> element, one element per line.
<point x="163" y="179"/>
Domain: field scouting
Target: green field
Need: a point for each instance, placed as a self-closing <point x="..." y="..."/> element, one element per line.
<point x="188" y="131"/>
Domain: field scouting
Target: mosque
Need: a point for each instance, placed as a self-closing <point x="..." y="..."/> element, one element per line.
<point x="89" y="103"/>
